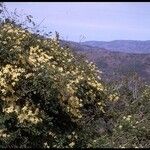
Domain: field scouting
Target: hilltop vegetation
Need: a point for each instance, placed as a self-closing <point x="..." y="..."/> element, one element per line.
<point x="52" y="98"/>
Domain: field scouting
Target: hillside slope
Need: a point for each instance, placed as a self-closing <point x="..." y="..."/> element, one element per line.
<point x="114" y="65"/>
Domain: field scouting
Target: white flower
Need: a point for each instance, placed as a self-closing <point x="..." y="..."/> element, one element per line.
<point x="120" y="126"/>
<point x="4" y="135"/>
<point x="99" y="103"/>
<point x="13" y="83"/>
<point x="124" y="117"/>
<point x="71" y="144"/>
<point x="60" y="69"/>
<point x="129" y="116"/>
<point x="128" y="119"/>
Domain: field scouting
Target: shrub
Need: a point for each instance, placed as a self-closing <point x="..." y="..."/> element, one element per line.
<point x="47" y="94"/>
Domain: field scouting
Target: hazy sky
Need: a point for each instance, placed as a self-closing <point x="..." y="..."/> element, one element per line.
<point x="104" y="21"/>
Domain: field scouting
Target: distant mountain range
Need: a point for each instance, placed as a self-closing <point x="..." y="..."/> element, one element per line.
<point x="129" y="46"/>
<point x="115" y="64"/>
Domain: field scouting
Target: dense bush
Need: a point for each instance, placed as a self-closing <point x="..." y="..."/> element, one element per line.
<point x="50" y="97"/>
<point x="46" y="93"/>
<point x="130" y="113"/>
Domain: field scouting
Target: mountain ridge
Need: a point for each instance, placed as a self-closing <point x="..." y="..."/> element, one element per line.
<point x="114" y="64"/>
<point x="129" y="46"/>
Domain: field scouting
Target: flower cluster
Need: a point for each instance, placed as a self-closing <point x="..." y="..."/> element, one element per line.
<point x="3" y="134"/>
<point x="12" y="73"/>
<point x="39" y="78"/>
<point x="113" y="97"/>
<point x="27" y="114"/>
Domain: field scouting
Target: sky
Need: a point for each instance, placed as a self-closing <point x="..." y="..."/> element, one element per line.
<point x="87" y="21"/>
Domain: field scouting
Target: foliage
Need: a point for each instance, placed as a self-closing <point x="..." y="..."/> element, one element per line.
<point x="130" y="115"/>
<point x="47" y="94"/>
<point x="52" y="98"/>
